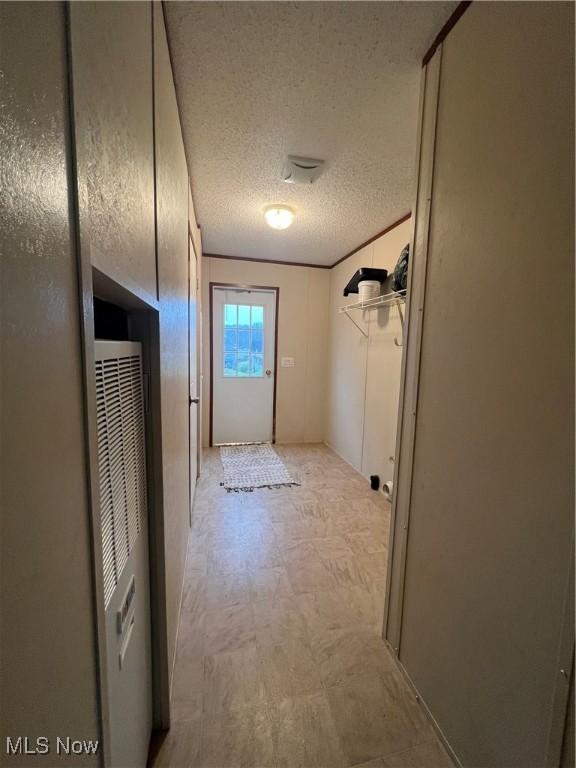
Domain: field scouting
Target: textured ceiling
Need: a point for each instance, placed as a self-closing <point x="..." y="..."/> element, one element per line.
<point x="339" y="81"/>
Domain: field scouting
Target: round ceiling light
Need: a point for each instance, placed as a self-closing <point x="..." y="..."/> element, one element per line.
<point x="279" y="216"/>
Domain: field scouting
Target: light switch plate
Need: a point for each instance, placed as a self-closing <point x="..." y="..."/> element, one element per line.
<point x="287" y="362"/>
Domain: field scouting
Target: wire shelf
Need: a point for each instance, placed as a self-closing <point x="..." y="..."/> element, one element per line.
<point x="386" y="300"/>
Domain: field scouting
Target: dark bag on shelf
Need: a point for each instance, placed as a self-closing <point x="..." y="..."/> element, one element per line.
<point x="400" y="275"/>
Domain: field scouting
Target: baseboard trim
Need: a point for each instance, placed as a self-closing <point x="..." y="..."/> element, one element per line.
<point x="319" y="441"/>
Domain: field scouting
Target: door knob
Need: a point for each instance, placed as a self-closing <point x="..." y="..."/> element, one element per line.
<point x="268" y="373"/>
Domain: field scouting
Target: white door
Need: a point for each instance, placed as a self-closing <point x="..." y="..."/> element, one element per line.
<point x="122" y="479"/>
<point x="193" y="368"/>
<point x="243" y="356"/>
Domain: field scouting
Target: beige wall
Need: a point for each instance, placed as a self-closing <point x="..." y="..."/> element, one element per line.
<point x="302" y="334"/>
<point x="491" y="510"/>
<point x="47" y="649"/>
<point x="113" y="105"/>
<point x="364" y="372"/>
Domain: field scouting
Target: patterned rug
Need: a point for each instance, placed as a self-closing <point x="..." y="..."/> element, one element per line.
<point x="253" y="466"/>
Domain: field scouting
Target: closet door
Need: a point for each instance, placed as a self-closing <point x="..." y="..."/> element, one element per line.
<point x="485" y="595"/>
<point x="122" y="478"/>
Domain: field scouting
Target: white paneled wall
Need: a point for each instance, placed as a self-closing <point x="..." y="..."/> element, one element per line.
<point x="364" y="372"/>
<point x="303" y="319"/>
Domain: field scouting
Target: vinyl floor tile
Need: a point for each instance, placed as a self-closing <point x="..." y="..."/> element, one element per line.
<point x="224" y="590"/>
<point x="310" y="576"/>
<point x="229" y="628"/>
<point x="179" y="747"/>
<point x="330" y="547"/>
<point x="188" y="690"/>
<point x="279" y="659"/>
<point x="338" y="608"/>
<point x="280" y="619"/>
<point x="345" y="653"/>
<point x="288" y="667"/>
<point x="233" y="681"/>
<point x="242" y="740"/>
<point x="375" y="716"/>
<point x="269" y="583"/>
<point x="430" y="754"/>
<point x="347" y="571"/>
<point x="305" y="735"/>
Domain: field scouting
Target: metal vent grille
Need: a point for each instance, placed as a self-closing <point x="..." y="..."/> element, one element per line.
<point x="121" y="461"/>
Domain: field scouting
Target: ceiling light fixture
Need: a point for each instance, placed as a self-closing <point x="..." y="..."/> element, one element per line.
<point x="278" y="216"/>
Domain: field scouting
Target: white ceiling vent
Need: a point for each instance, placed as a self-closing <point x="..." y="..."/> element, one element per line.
<point x="301" y="170"/>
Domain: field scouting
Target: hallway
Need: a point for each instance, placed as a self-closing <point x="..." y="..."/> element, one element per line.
<point x="342" y="228"/>
<point x="279" y="658"/>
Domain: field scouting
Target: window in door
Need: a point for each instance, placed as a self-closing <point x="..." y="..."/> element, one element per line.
<point x="243" y="340"/>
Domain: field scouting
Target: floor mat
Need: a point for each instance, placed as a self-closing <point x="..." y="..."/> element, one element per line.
<point x="253" y="466"/>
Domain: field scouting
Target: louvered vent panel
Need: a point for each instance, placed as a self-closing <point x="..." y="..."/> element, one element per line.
<point x="139" y="439"/>
<point x="121" y="461"/>
<point x="106" y="504"/>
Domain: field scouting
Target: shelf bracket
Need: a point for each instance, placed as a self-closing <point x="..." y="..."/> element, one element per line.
<point x="362" y="331"/>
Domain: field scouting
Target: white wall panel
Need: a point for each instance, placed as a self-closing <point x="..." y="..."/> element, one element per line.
<point x="383" y="366"/>
<point x="364" y="372"/>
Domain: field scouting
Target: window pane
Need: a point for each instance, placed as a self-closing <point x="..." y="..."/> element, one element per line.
<point x="230" y="340"/>
<point x="243" y="341"/>
<point x="230" y="364"/>
<point x="257" y="317"/>
<point x="257" y="341"/>
<point x="243" y="365"/>
<point x="256" y="365"/>
<point x="229" y="315"/>
<point x="243" y="316"/>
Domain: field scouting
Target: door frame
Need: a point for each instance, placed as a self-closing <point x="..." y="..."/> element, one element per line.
<point x="243" y="287"/>
<point x="410" y="372"/>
